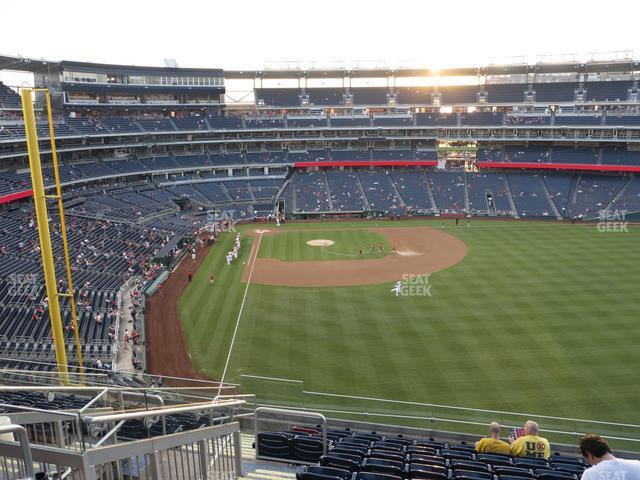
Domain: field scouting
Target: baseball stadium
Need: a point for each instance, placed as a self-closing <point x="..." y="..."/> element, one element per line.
<point x="341" y="272"/>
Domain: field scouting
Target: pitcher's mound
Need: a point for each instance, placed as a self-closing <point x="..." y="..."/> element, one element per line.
<point x="320" y="243"/>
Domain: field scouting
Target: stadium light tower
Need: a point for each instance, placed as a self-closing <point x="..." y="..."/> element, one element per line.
<point x="42" y="218"/>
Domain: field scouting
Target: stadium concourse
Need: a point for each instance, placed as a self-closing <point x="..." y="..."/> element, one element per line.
<point x="155" y="162"/>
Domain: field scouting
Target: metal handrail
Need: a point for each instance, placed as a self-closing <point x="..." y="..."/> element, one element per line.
<point x="116" y="417"/>
<point x="23" y="439"/>
<point x="435" y="405"/>
<point x="282" y="411"/>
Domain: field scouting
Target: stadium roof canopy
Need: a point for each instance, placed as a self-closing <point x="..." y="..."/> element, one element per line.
<point x="593" y="66"/>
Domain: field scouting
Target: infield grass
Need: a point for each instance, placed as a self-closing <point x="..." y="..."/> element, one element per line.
<point x="355" y="244"/>
<point x="540" y="318"/>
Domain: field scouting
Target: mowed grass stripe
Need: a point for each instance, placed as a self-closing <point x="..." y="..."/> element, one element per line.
<point x="539" y="317"/>
<point x="209" y="312"/>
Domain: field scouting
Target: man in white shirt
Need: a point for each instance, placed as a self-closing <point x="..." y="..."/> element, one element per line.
<point x="605" y="466"/>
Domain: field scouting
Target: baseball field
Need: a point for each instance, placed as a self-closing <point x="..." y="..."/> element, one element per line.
<point x="532" y="317"/>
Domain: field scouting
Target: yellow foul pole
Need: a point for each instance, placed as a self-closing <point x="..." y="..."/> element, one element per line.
<point x="63" y="231"/>
<point x="42" y="218"/>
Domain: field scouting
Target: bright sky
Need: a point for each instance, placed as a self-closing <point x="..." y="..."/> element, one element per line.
<point x="245" y="34"/>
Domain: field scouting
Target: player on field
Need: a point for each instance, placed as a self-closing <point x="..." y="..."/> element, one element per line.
<point x="397" y="288"/>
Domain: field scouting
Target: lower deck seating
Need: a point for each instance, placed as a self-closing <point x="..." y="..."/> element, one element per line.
<point x="372" y="456"/>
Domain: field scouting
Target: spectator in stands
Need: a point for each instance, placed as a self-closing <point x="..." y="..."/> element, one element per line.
<point x="492" y="443"/>
<point x="530" y="445"/>
<point x="597" y="453"/>
<point x="95" y="362"/>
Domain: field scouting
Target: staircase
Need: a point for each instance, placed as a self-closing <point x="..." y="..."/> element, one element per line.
<point x="466" y="193"/>
<point x="611" y="205"/>
<point x="280" y="192"/>
<point x="512" y="203"/>
<point x="434" y="207"/>
<point x="397" y="192"/>
<point x="574" y="194"/>
<point x="329" y="197"/>
<point x="554" y="207"/>
<point x="225" y="191"/>
<point x="364" y="197"/>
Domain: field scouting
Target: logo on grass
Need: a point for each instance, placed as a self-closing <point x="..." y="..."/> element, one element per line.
<point x="612" y="221"/>
<point x="412" y="285"/>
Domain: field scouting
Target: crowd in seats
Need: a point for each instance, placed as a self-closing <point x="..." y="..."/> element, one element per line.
<point x="310" y="193"/>
<point x="594" y="193"/>
<point x="307" y="122"/>
<point x="190" y="123"/>
<point x="560" y="187"/>
<point x="412" y="186"/>
<point x="122" y="125"/>
<point x="264" y="122"/>
<point x="528" y="120"/>
<point x="448" y="189"/>
<point x="156" y="125"/>
<point x="346" y="191"/>
<point x="9" y="98"/>
<point x="488" y="192"/>
<point x="308" y="156"/>
<point x="380" y="191"/>
<point x="529" y="195"/>
<point x="531" y="154"/>
<point x="373" y="456"/>
<point x="104" y="254"/>
<point x="98" y="126"/>
<point x="629" y="200"/>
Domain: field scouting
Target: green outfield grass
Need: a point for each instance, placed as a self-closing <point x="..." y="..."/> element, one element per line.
<point x="540" y="318"/>
<point x="292" y="245"/>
